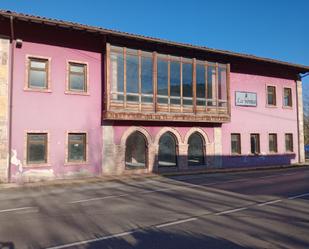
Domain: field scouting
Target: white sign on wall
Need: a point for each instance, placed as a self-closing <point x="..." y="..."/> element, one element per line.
<point x="245" y="99"/>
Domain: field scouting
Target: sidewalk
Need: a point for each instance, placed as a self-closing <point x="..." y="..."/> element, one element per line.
<point x="115" y="178"/>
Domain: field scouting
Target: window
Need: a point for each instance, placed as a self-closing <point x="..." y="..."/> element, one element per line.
<point x="195" y="150"/>
<point x="287" y="97"/>
<point x="273" y="143"/>
<point x="167" y="151"/>
<point x="132" y="76"/>
<point x="255" y="143"/>
<point x="36" y="148"/>
<point x="144" y="85"/>
<point x="187" y="83"/>
<point x="175" y="82"/>
<point x="77" y="77"/>
<point x="271" y="95"/>
<point x="235" y="143"/>
<point x="77" y="145"/>
<point x="38" y="73"/>
<point x="136" y="151"/>
<point x="289" y="142"/>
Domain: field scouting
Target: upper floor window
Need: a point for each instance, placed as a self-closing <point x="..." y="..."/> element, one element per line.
<point x="287" y="97"/>
<point x="148" y="83"/>
<point x="77" y="77"/>
<point x="36" y="148"/>
<point x="255" y="143"/>
<point x="271" y="95"/>
<point x="273" y="147"/>
<point x="38" y="73"/>
<point x="235" y="143"/>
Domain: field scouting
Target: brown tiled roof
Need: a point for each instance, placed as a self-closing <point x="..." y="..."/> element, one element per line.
<point x="93" y="29"/>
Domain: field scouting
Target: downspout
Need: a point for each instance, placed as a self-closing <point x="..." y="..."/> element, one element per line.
<point x="11" y="97"/>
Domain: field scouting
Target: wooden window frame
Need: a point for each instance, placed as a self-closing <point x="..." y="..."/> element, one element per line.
<point x="47" y="70"/>
<point x="276" y="143"/>
<point x="259" y="144"/>
<point x="85" y="74"/>
<point x="47" y="148"/>
<point x="138" y="110"/>
<point x="291" y="98"/>
<point x="86" y="149"/>
<point x="285" y="143"/>
<point x="275" y="96"/>
<point x="239" y="141"/>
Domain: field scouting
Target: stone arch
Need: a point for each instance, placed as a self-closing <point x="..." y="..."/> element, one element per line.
<point x="197" y="130"/>
<point x="171" y="130"/>
<point x="133" y="129"/>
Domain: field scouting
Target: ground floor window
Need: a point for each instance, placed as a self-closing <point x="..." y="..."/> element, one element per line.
<point x="255" y="143"/>
<point x="167" y="150"/>
<point x="289" y="142"/>
<point x="36" y="148"/>
<point x="235" y="143"/>
<point x="136" y="151"/>
<point x="77" y="147"/>
<point x="195" y="150"/>
<point x="273" y="143"/>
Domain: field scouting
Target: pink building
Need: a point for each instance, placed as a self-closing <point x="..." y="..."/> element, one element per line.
<point x="82" y="101"/>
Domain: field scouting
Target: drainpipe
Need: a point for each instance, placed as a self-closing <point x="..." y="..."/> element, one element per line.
<point x="11" y="97"/>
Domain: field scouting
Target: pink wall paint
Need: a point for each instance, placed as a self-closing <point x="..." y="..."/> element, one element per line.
<point x="57" y="112"/>
<point x="260" y="119"/>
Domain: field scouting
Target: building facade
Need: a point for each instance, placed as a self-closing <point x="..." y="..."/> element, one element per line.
<point x="82" y="101"/>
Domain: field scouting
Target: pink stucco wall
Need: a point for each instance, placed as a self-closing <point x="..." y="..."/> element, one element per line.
<point x="57" y="112"/>
<point x="260" y="119"/>
<point x="154" y="129"/>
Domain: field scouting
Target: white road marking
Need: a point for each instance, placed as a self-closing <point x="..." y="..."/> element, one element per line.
<point x="92" y="240"/>
<point x="15" y="209"/>
<point x="176" y="222"/>
<point x="98" y="198"/>
<point x="297" y="196"/>
<point x="231" y="211"/>
<point x="269" y="202"/>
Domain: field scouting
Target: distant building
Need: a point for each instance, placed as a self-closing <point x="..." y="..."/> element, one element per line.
<point x="81" y="101"/>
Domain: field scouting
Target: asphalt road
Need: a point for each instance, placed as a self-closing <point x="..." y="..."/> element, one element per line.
<point x="268" y="209"/>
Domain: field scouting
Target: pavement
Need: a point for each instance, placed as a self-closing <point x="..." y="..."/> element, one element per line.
<point x="259" y="209"/>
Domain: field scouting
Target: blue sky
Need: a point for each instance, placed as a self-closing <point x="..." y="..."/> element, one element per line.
<point x="276" y="29"/>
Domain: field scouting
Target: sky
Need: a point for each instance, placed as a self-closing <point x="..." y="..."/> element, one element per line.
<point x="277" y="29"/>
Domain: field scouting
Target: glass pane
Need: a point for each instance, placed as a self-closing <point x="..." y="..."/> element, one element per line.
<point x="136" y="148"/>
<point x="222" y="94"/>
<point x="75" y="68"/>
<point x="235" y="143"/>
<point x="77" y="82"/>
<point x="287" y="97"/>
<point x="37" y="79"/>
<point x="200" y="84"/>
<point x="132" y="74"/>
<point x="147" y="99"/>
<point x="147" y="75"/>
<point x="117" y="73"/>
<point x="271" y="95"/>
<point x="211" y="79"/>
<point x="195" y="150"/>
<point x="77" y="147"/>
<point x="187" y="83"/>
<point x="255" y="144"/>
<point x="37" y="148"/>
<point x="175" y="80"/>
<point x="167" y="151"/>
<point x="162" y="75"/>
<point x="38" y="64"/>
